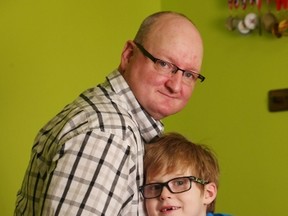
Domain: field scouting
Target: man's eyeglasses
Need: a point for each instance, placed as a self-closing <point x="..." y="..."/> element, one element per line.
<point x="175" y="185"/>
<point x="167" y="68"/>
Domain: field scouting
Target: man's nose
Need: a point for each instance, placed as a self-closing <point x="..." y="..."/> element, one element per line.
<point x="175" y="81"/>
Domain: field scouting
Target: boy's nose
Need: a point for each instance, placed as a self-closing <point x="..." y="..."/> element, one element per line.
<point x="165" y="194"/>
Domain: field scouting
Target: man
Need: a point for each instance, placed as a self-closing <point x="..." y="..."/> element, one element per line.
<point x="88" y="160"/>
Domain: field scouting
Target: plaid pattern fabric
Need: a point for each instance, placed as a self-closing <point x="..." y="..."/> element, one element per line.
<point x="88" y="160"/>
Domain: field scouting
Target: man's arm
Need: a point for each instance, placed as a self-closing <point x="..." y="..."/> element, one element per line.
<point x="94" y="174"/>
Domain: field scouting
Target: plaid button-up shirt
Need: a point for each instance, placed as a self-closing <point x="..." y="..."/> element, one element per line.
<point x="88" y="160"/>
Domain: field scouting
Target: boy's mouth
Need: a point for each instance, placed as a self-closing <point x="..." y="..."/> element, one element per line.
<point x="170" y="208"/>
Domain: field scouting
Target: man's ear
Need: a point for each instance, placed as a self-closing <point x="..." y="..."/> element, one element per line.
<point x="127" y="53"/>
<point x="210" y="193"/>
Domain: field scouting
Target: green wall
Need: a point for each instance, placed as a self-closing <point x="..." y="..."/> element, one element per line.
<point x="52" y="50"/>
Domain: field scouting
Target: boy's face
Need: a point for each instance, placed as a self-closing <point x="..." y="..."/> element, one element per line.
<point x="189" y="203"/>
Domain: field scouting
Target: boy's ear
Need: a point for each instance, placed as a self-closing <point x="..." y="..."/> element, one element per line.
<point x="210" y="193"/>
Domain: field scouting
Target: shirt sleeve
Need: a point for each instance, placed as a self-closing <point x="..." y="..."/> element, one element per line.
<point x="94" y="174"/>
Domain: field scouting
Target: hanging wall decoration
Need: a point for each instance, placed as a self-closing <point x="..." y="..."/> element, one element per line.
<point x="257" y="16"/>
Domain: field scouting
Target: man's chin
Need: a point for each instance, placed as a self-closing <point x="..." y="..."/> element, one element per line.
<point x="163" y="114"/>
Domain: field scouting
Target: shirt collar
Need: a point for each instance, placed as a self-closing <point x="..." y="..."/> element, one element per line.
<point x="148" y="126"/>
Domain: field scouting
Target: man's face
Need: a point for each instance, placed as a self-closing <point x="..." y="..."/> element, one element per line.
<point x="172" y="40"/>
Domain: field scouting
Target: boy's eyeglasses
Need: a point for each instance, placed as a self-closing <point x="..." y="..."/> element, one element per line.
<point x="167" y="68"/>
<point x="175" y="185"/>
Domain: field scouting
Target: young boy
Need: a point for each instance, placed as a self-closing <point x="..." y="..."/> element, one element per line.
<point x="181" y="178"/>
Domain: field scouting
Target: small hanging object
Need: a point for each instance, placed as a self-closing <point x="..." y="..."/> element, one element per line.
<point x="279" y="29"/>
<point x="231" y="23"/>
<point x="252" y="2"/>
<point x="259" y="4"/>
<point x="242" y="28"/>
<point x="251" y="21"/>
<point x="269" y="20"/>
<point x="280" y="4"/>
<point x="244" y="4"/>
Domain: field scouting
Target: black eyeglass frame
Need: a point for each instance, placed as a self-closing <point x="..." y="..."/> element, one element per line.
<point x="152" y="58"/>
<point x="166" y="184"/>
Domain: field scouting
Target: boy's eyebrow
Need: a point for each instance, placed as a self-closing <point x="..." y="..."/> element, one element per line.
<point x="152" y="180"/>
